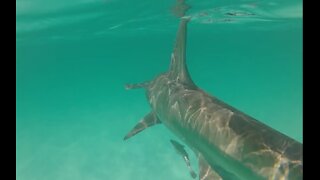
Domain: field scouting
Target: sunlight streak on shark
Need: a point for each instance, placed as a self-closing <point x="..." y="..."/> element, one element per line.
<point x="228" y="143"/>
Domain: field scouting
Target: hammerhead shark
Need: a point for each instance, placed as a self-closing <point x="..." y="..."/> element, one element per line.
<point x="228" y="143"/>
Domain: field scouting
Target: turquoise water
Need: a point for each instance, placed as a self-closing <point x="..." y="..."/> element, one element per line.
<point x="74" y="57"/>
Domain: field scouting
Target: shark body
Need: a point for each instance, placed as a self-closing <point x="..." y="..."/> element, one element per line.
<point x="228" y="143"/>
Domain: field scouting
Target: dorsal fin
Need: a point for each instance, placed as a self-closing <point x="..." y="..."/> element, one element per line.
<point x="178" y="67"/>
<point x="180" y="8"/>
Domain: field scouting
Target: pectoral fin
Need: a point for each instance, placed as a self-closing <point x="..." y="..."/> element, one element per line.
<point x="149" y="120"/>
<point x="180" y="149"/>
<point x="205" y="170"/>
<point x="137" y="85"/>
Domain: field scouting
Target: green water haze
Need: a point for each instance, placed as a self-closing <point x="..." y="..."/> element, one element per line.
<point x="74" y="58"/>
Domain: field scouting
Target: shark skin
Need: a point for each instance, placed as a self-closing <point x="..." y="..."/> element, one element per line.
<point x="228" y="143"/>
